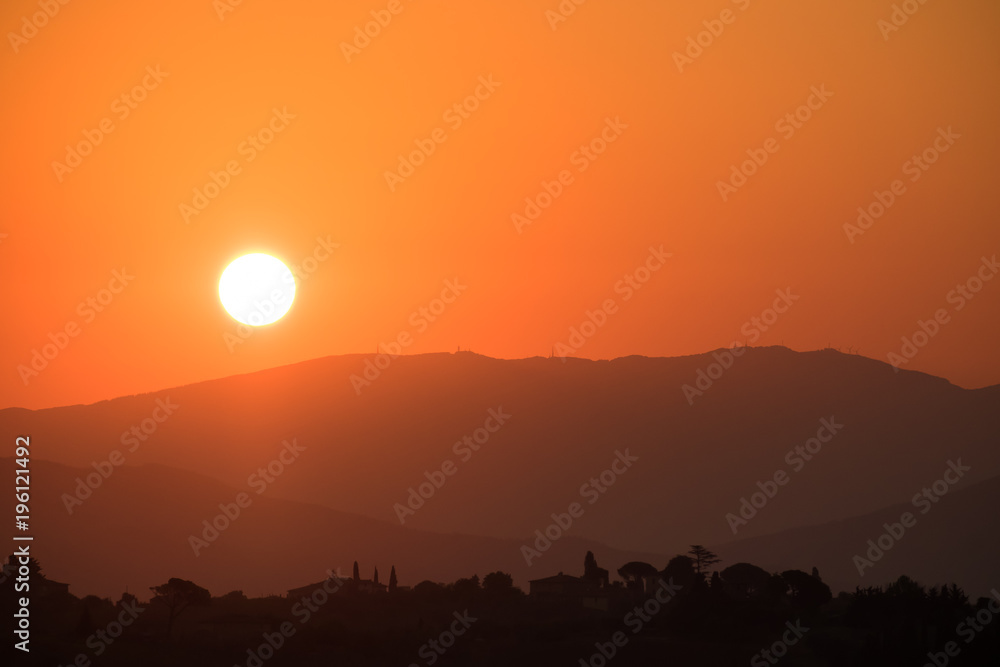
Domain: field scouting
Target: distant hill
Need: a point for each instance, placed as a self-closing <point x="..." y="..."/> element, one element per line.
<point x="956" y="541"/>
<point x="134" y="531"/>
<point x="694" y="461"/>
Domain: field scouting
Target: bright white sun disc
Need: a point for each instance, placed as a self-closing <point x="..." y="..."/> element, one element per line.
<point x="257" y="289"/>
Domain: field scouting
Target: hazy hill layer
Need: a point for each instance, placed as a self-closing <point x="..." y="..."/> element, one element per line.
<point x="135" y="530"/>
<point x="957" y="540"/>
<point x="691" y="461"/>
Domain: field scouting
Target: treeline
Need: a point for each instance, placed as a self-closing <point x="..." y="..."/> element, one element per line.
<point x="712" y="616"/>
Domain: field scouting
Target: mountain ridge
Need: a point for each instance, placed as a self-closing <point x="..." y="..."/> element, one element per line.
<point x="362" y="356"/>
<point x="271" y="546"/>
<point x="368" y="451"/>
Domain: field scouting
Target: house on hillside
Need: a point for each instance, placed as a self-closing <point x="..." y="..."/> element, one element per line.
<point x="369" y="586"/>
<point x="338" y="583"/>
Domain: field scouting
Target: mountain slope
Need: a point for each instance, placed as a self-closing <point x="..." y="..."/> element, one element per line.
<point x="135" y="529"/>
<point x="956" y="540"/>
<point x="695" y="462"/>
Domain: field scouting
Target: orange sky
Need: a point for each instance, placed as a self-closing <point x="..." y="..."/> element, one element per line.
<point x="344" y="124"/>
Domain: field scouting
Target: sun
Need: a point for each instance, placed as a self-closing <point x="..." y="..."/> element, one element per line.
<point x="257" y="289"/>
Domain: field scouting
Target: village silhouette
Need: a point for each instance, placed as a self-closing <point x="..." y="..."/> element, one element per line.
<point x="691" y="612"/>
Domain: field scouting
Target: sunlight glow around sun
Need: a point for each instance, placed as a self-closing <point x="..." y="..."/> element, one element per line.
<point x="257" y="289"/>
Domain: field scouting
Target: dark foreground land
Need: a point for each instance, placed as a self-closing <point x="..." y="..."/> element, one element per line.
<point x="742" y="618"/>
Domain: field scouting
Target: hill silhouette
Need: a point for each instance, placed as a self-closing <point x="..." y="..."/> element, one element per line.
<point x="135" y="530"/>
<point x="695" y="461"/>
<point x="956" y="541"/>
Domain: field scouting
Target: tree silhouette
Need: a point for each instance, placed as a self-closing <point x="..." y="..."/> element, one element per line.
<point x="467" y="587"/>
<point x="375" y="578"/>
<point x="703" y="559"/>
<point x="34" y="567"/>
<point x="806" y="591"/>
<point x="498" y="583"/>
<point x="741" y="607"/>
<point x="592" y="572"/>
<point x="635" y="572"/>
<point x="680" y="570"/>
<point x="430" y="589"/>
<point x="127" y="599"/>
<point x="178" y="595"/>
<point x="777" y="587"/>
<point x="746" y="579"/>
<point x="234" y="596"/>
<point x="357" y="572"/>
<point x="955" y="595"/>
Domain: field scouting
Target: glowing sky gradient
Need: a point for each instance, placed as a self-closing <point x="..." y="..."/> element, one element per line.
<point x="298" y="142"/>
